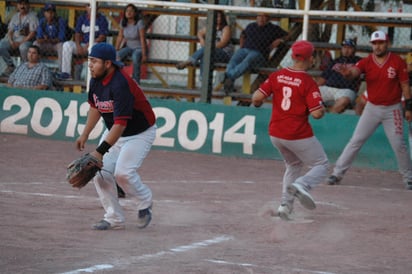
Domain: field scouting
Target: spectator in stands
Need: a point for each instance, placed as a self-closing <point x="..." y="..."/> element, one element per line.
<point x="131" y="40"/>
<point x="51" y="33"/>
<point x="20" y="36"/>
<point x="31" y="74"/>
<point x="80" y="45"/>
<point x="256" y="42"/>
<point x="339" y="93"/>
<point x="223" y="47"/>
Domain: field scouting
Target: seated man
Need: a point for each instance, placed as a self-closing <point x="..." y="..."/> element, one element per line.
<point x="31" y="74"/>
<point x="256" y="42"/>
<point x="337" y="92"/>
<point x="51" y="32"/>
<point x="21" y="33"/>
<point x="80" y="45"/>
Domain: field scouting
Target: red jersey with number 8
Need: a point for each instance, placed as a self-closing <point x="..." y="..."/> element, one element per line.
<point x="294" y="95"/>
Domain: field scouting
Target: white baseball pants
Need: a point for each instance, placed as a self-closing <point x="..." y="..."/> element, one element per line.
<point x="120" y="165"/>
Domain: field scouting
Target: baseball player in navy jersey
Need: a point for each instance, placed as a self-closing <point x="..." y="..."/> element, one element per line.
<point x="129" y="136"/>
<point x="387" y="80"/>
<point x="295" y="96"/>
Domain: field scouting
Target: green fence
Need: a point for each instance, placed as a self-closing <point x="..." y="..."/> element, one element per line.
<point x="191" y="127"/>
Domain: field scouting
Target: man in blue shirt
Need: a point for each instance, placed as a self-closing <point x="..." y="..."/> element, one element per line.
<point x="256" y="42"/>
<point x="51" y="32"/>
<point x="80" y="45"/>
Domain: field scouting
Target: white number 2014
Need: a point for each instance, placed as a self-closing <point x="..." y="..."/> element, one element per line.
<point x="242" y="132"/>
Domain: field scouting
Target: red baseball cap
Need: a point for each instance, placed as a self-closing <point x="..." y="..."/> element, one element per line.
<point x="302" y="50"/>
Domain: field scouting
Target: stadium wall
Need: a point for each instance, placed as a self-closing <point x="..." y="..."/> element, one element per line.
<point x="229" y="131"/>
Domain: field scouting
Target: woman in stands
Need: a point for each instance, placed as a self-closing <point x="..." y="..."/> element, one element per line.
<point x="223" y="48"/>
<point x="131" y="40"/>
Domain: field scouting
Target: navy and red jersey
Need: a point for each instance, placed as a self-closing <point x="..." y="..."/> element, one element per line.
<point x="383" y="80"/>
<point x="294" y="95"/>
<point x="120" y="100"/>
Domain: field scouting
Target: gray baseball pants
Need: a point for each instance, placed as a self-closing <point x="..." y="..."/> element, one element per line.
<point x="391" y="118"/>
<point x="297" y="154"/>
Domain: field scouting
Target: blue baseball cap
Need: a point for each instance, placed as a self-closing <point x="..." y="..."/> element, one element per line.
<point x="105" y="52"/>
<point x="49" y="6"/>
<point x="349" y="42"/>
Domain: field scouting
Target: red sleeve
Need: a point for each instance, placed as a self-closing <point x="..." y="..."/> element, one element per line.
<point x="313" y="97"/>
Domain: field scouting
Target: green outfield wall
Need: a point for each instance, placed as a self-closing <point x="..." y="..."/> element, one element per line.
<point x="190" y="127"/>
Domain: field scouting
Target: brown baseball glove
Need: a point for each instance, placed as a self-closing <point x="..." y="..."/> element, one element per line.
<point x="82" y="170"/>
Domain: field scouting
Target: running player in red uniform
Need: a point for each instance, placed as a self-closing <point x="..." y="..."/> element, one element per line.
<point x="295" y="96"/>
<point x="131" y="130"/>
<point x="387" y="80"/>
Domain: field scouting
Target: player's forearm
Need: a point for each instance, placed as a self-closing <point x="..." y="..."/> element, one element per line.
<point x="406" y="91"/>
<point x="318" y="113"/>
<point x="258" y="98"/>
<point x="114" y="134"/>
<point x="92" y="118"/>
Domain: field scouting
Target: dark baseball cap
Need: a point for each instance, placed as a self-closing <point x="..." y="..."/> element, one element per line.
<point x="23" y="1"/>
<point x="349" y="42"/>
<point x="105" y="52"/>
<point x="49" y="6"/>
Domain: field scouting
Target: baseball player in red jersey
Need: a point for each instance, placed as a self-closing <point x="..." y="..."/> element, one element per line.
<point x="295" y="96"/>
<point x="129" y="136"/>
<point x="387" y="80"/>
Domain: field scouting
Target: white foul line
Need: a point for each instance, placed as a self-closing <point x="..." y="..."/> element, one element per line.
<point x="91" y="269"/>
<point x="178" y="249"/>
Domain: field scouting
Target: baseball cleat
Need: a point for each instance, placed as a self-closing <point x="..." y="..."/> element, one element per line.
<point x="333" y="180"/>
<point x="302" y="194"/>
<point x="144" y="217"/>
<point x="285" y="211"/>
<point x="104" y="225"/>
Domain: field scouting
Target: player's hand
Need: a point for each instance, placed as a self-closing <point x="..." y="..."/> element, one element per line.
<point x="80" y="142"/>
<point x="344" y="71"/>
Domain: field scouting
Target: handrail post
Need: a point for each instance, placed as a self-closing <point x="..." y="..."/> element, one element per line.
<point x="208" y="64"/>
